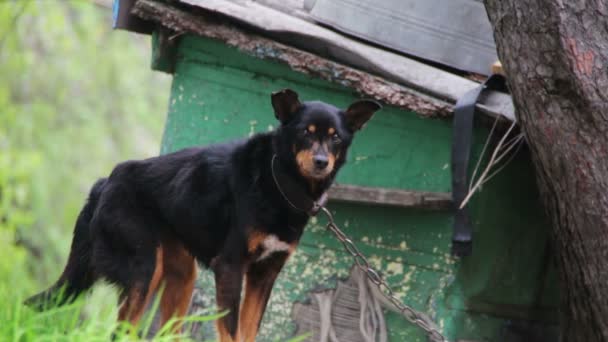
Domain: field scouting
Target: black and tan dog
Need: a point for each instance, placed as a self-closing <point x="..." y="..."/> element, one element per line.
<point x="237" y="208"/>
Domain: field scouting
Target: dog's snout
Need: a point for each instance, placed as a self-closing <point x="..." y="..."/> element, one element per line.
<point x="321" y="161"/>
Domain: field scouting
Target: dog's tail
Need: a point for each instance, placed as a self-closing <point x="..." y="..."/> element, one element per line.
<point x="77" y="275"/>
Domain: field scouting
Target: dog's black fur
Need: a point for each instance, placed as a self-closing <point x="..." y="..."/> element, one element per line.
<point x="212" y="202"/>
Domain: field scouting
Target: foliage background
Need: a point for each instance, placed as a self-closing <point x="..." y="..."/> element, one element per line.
<point x="76" y="97"/>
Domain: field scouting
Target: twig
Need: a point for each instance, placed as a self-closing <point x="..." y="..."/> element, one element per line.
<point x="487" y="169"/>
<point x="508" y="147"/>
<point x="519" y="145"/>
<point x="483" y="151"/>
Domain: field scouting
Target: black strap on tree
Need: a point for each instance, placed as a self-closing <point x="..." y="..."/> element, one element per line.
<point x="461" y="149"/>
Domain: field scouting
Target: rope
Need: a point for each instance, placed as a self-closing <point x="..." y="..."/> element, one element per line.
<point x="371" y="323"/>
<point x="353" y="312"/>
<point x="483" y="152"/>
<point x="350" y="313"/>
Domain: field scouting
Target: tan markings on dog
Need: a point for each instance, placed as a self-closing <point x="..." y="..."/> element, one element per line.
<point x="306" y="166"/>
<point x="256" y="238"/>
<point x="305" y="162"/>
<point x="223" y="334"/>
<point x="138" y="297"/>
<point x="331" y="131"/>
<point x="331" y="159"/>
<point x="252" y="310"/>
<point x="179" y="268"/>
<point x="258" y="287"/>
<point x="292" y="247"/>
<point x="312" y="128"/>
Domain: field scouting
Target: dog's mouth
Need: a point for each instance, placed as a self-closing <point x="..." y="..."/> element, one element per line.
<point x="319" y="175"/>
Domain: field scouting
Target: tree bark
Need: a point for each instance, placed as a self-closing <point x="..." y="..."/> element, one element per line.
<point x="555" y="54"/>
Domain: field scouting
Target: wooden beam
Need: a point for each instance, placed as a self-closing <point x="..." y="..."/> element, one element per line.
<point x="390" y="197"/>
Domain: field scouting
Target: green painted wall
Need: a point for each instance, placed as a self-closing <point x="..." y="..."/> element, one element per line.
<point x="219" y="93"/>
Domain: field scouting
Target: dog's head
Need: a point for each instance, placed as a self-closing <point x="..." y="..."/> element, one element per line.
<point x="316" y="135"/>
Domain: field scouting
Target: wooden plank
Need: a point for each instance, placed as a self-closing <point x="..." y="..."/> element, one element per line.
<point x="390" y="197"/>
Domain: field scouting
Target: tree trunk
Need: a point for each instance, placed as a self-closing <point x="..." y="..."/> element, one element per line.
<point x="555" y="54"/>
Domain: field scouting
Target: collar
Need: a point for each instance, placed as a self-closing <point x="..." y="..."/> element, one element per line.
<point x="294" y="193"/>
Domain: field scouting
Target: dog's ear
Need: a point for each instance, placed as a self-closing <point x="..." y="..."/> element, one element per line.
<point x="285" y="102"/>
<point x="358" y="113"/>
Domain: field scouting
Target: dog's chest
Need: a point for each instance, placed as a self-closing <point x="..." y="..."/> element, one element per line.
<point x="262" y="246"/>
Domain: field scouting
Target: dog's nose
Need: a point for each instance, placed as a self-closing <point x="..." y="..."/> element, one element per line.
<point x="320" y="162"/>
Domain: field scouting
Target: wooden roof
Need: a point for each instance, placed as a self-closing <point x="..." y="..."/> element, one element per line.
<point x="284" y="31"/>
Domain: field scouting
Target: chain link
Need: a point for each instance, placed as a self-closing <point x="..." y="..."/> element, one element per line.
<point x="415" y="317"/>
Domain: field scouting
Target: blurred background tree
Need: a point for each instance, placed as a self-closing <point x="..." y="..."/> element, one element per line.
<point x="76" y="97"/>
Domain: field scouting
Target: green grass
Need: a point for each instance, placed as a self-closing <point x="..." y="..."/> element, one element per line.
<point x="69" y="111"/>
<point x="91" y="318"/>
<point x="91" y="322"/>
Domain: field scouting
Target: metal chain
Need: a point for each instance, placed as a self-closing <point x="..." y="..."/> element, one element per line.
<point x="415" y="317"/>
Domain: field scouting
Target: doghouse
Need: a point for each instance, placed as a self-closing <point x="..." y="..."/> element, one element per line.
<point x="394" y="198"/>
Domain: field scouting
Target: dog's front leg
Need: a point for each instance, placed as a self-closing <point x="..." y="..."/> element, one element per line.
<point x="259" y="280"/>
<point x="228" y="284"/>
